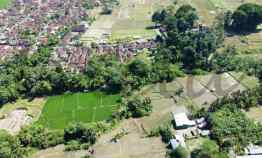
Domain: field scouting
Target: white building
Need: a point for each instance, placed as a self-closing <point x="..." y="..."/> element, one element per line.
<point x="182" y="121"/>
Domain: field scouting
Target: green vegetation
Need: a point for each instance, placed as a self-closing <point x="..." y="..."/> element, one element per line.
<point x="228" y="60"/>
<point x="182" y="43"/>
<point x="247" y="17"/>
<point x="10" y="146"/>
<point x="236" y="133"/>
<point x="79" y="136"/>
<point x="4" y="3"/>
<point x="138" y="107"/>
<point x="164" y="131"/>
<point x="78" y="107"/>
<point x="179" y="152"/>
<point x="39" y="137"/>
<point x="183" y="47"/>
<point x="208" y="149"/>
<point x="75" y="136"/>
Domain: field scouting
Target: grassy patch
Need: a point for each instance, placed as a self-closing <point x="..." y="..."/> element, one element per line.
<point x="4" y="3"/>
<point x="195" y="143"/>
<point x="61" y="110"/>
<point x="245" y="80"/>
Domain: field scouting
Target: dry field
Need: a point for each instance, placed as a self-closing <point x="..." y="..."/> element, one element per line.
<point x="255" y="113"/>
<point x="58" y="152"/>
<point x="208" y="9"/>
<point x="129" y="19"/>
<point x="13" y="116"/>
<point x="132" y="145"/>
<point x="15" y="120"/>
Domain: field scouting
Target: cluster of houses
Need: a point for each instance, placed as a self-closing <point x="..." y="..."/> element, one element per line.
<point x="76" y="56"/>
<point x="190" y="129"/>
<point x="187" y="129"/>
<point x="29" y="23"/>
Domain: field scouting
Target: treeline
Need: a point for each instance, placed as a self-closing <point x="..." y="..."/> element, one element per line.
<point x="75" y="136"/>
<point x="23" y="76"/>
<point x="30" y="76"/>
<point x="245" y="18"/>
<point x="230" y="60"/>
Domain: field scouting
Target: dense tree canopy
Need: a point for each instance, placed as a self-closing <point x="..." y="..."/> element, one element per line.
<point x="10" y="147"/>
<point x="39" y="137"/>
<point x="179" y="152"/>
<point x="231" y="127"/>
<point x="184" y="43"/>
<point x="247" y="17"/>
<point x="138" y="107"/>
<point x="80" y="132"/>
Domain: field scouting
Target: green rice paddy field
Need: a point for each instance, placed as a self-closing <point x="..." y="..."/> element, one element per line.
<point x="59" y="111"/>
<point x="4" y="3"/>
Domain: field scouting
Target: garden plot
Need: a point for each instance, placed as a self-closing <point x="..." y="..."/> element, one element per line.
<point x="247" y="81"/>
<point x="220" y="84"/>
<point x="196" y="91"/>
<point x="14" y="121"/>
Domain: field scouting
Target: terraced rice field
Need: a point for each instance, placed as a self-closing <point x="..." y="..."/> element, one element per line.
<point x="61" y="110"/>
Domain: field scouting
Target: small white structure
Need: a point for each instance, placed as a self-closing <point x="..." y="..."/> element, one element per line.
<point x="179" y="141"/>
<point x="174" y="143"/>
<point x="201" y="122"/>
<point x="204" y="133"/>
<point x="254" y="150"/>
<point x="250" y="156"/>
<point x="182" y="120"/>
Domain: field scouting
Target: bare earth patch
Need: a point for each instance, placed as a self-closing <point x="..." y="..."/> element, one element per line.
<point x="255" y="113"/>
<point x="13" y="116"/>
<point x="133" y="145"/>
<point x="58" y="152"/>
<point x="196" y="91"/>
<point x="220" y="84"/>
<point x="14" y="121"/>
